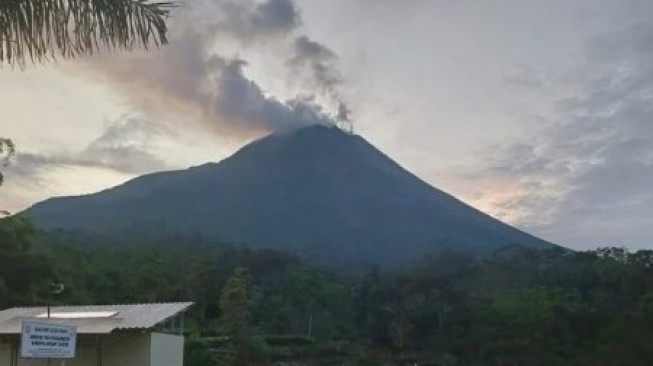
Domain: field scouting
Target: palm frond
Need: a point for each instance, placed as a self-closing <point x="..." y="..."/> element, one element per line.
<point x="33" y="30"/>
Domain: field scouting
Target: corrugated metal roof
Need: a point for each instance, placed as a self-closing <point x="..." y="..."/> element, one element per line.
<point x="135" y="316"/>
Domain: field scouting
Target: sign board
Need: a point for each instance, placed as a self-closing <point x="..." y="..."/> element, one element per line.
<point x="46" y="340"/>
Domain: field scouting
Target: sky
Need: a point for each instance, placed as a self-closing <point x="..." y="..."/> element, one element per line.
<point x="539" y="113"/>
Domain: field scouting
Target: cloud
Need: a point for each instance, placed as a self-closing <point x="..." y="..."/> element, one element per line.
<point x="241" y="99"/>
<point x="320" y="64"/>
<point x="586" y="178"/>
<point x="125" y="147"/>
<point x="192" y="79"/>
<point x="248" y="21"/>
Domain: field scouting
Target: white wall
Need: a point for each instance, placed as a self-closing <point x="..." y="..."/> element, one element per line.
<point x="167" y="350"/>
<point x="120" y="349"/>
<point x="86" y="354"/>
<point x="125" y="349"/>
<point x="5" y="354"/>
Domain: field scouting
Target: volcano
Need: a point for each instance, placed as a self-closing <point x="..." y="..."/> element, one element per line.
<point x="323" y="194"/>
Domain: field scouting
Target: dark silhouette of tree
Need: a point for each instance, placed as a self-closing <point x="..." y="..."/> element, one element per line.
<point x="7" y="151"/>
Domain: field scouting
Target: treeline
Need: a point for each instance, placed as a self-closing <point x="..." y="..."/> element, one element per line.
<point x="518" y="307"/>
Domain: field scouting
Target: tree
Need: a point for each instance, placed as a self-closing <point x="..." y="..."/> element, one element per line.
<point x="234" y="304"/>
<point x="35" y="30"/>
<point x="7" y="151"/>
<point x="236" y="320"/>
<point x="16" y="234"/>
<point x="22" y="270"/>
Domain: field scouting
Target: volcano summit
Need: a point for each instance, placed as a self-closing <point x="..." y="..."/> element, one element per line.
<point x="319" y="192"/>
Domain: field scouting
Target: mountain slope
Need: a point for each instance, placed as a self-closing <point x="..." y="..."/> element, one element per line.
<point x="318" y="192"/>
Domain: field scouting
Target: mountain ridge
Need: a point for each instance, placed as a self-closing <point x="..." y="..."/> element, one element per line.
<point x="318" y="192"/>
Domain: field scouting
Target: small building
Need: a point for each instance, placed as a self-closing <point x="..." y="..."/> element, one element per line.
<point x="107" y="335"/>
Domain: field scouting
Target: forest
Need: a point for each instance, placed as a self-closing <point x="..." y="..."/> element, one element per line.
<point x="260" y="307"/>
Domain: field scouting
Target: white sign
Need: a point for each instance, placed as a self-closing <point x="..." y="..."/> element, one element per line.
<point x="43" y="340"/>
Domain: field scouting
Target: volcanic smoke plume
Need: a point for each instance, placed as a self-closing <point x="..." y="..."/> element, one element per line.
<point x="190" y="78"/>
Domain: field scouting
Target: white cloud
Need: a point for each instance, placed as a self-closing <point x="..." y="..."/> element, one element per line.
<point x="126" y="146"/>
<point x="586" y="178"/>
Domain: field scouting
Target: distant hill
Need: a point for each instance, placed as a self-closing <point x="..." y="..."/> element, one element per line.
<point x="317" y="192"/>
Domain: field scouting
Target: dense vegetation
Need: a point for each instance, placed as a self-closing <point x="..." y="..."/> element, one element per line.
<point x="518" y="307"/>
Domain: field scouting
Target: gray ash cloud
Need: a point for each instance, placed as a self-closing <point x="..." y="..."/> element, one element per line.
<point x="321" y="65"/>
<point x="191" y="78"/>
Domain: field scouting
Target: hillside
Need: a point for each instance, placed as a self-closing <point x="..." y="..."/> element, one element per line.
<point x="317" y="192"/>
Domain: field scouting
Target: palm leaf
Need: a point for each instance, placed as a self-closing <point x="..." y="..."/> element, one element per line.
<point x="32" y="30"/>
